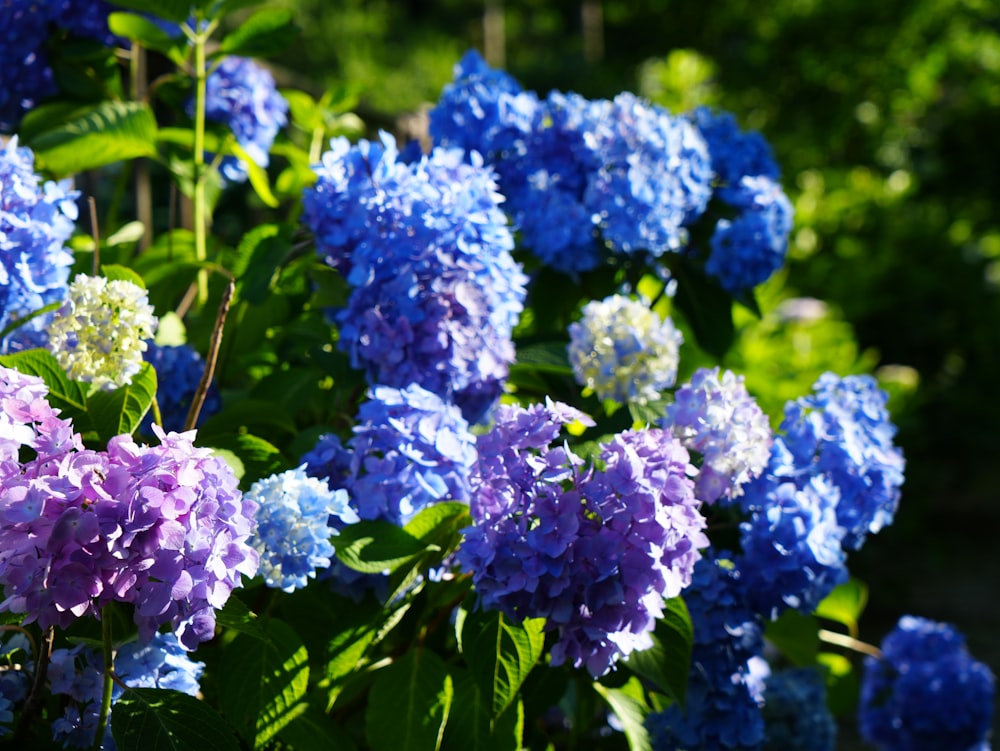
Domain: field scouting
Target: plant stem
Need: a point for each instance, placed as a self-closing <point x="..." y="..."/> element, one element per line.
<point x="199" y="172"/>
<point x="102" y="718"/>
<point x="211" y="358"/>
<point x="34" y="701"/>
<point x="843" y="640"/>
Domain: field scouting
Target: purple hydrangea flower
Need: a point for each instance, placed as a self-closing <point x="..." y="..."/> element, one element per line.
<point x="623" y="350"/>
<point x="293" y="526"/>
<point x="714" y="415"/>
<point x="592" y="551"/>
<point x="242" y="96"/>
<point x="435" y="292"/>
<point x="926" y="691"/>
<point x="36" y="221"/>
<point x="795" y="712"/>
<point x="724" y="696"/>
<point x="178" y="372"/>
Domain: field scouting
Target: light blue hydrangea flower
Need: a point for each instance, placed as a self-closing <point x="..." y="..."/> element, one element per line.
<point x="99" y="334"/>
<point x="36" y="221"/>
<point x="623" y="350"/>
<point x="293" y="526"/>
<point x="714" y="415"/>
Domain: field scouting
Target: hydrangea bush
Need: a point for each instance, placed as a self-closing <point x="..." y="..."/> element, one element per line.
<point x="436" y="449"/>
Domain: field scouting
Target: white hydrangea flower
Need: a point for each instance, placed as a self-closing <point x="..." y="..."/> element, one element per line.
<point x="714" y="415"/>
<point x="624" y="351"/>
<point x="99" y="334"/>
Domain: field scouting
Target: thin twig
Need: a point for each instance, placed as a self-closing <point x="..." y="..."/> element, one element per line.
<point x="843" y="640"/>
<point x="211" y="358"/>
<point x="35" y="696"/>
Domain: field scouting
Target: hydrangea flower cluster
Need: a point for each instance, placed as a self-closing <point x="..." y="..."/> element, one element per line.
<point x="436" y="293"/>
<point x="15" y="674"/>
<point x="623" y="351"/>
<point x="578" y="172"/>
<point x="714" y="415"/>
<point x="410" y="449"/>
<point x="28" y="78"/>
<point x="178" y="372"/>
<point x="78" y="673"/>
<point x="241" y="95"/>
<point x="593" y="551"/>
<point x="164" y="528"/>
<point x="36" y="220"/>
<point x="795" y="712"/>
<point x="293" y="526"/>
<point x="99" y="334"/>
<point x="748" y="248"/>
<point x="926" y="691"/>
<point x="724" y="691"/>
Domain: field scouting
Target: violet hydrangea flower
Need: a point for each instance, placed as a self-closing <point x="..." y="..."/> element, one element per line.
<point x="435" y="292"/>
<point x="622" y="350"/>
<point x="714" y="415"/>
<point x="592" y="551"/>
<point x="293" y="526"/>
<point x="36" y="221"/>
<point x="99" y="334"/>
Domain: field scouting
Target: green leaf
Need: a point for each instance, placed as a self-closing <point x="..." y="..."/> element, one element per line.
<point x="500" y="654"/>
<point x="707" y="308"/>
<point x="845" y="604"/>
<point x="666" y="664"/>
<point x="237" y="616"/>
<point x="69" y="397"/>
<point x="796" y="635"/>
<point x="549" y="357"/>
<point x="120" y="411"/>
<point x="629" y="705"/>
<point x="650" y="413"/>
<point x="315" y="731"/>
<point x="114" y="272"/>
<point x="303" y="109"/>
<point x="254" y="416"/>
<point x="259" y="457"/>
<point x="170" y="10"/>
<point x="471" y="727"/>
<point x="438" y="521"/>
<point x="257" y="175"/>
<point x="263" y="683"/>
<point x="409" y="704"/>
<point x="104" y="134"/>
<point x="373" y="547"/>
<point x="158" y="719"/>
<point x="265" y="33"/>
<point x="259" y="257"/>
<point x="140" y="29"/>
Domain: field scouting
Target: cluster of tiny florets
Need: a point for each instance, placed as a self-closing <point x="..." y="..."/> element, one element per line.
<point x="99" y="334"/>
<point x="623" y="350"/>
<point x="795" y="711"/>
<point x="714" y="415"/>
<point x="36" y="220"/>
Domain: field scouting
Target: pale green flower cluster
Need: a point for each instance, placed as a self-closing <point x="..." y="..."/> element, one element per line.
<point x="624" y="351"/>
<point x="99" y="334"/>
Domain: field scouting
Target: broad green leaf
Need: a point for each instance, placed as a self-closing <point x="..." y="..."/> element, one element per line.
<point x="141" y="29"/>
<point x="629" y="705"/>
<point x="104" y="134"/>
<point x="159" y="719"/>
<point x="796" y="635"/>
<point x="254" y="416"/>
<point x="258" y="457"/>
<point x="707" y="308"/>
<point x="845" y="604"/>
<point x="470" y="725"/>
<point x="500" y="654"/>
<point x="120" y="411"/>
<point x="69" y="397"/>
<point x="373" y="547"/>
<point x="843" y="685"/>
<point x="127" y="233"/>
<point x="303" y="109"/>
<point x="237" y="616"/>
<point x="264" y="683"/>
<point x="259" y="257"/>
<point x="265" y="33"/>
<point x="550" y="357"/>
<point x="666" y="664"/>
<point x="257" y="175"/>
<point x="113" y="272"/>
<point x="315" y="731"/>
<point x="409" y="704"/>
<point x="649" y="413"/>
<point x="438" y="521"/>
<point x="170" y="10"/>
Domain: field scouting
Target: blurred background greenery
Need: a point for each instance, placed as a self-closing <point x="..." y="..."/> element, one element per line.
<point x="884" y="118"/>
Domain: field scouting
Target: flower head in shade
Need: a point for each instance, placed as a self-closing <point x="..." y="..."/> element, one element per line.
<point x="622" y="350"/>
<point x="724" y="696"/>
<point x="592" y="551"/>
<point x="747" y="249"/>
<point x="714" y="415"/>
<point x="844" y="432"/>
<point x="796" y="715"/>
<point x="735" y="154"/>
<point x="99" y="334"/>
<point x="241" y="95"/>
<point x="293" y="529"/>
<point x="926" y="691"/>
<point x="36" y="220"/>
<point x="435" y="292"/>
<point x="178" y="372"/>
<point x="28" y="77"/>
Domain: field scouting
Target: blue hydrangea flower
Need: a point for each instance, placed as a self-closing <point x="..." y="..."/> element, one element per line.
<point x="795" y="712"/>
<point x="714" y="415"/>
<point x="293" y="526"/>
<point x="16" y="663"/>
<point x="241" y="95"/>
<point x="36" y="221"/>
<point x="747" y="249"/>
<point x="28" y="78"/>
<point x="88" y="19"/>
<point x="426" y="249"/>
<point x="926" y="691"/>
<point x="592" y="551"/>
<point x="178" y="372"/>
<point x="623" y="350"/>
<point x="844" y="432"/>
<point x="724" y="694"/>
<point x="735" y="154"/>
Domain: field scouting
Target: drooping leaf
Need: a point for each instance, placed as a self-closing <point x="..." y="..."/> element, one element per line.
<point x="265" y="33"/>
<point x="630" y="707"/>
<point x="259" y="257"/>
<point x="115" y="272"/>
<point x="845" y="604"/>
<point x="106" y="133"/>
<point x="667" y="662"/>
<point x="256" y="174"/>
<point x="140" y="29"/>
<point x="796" y="635"/>
<point x="416" y="692"/>
<point x="159" y="719"/>
<point x="120" y="411"/>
